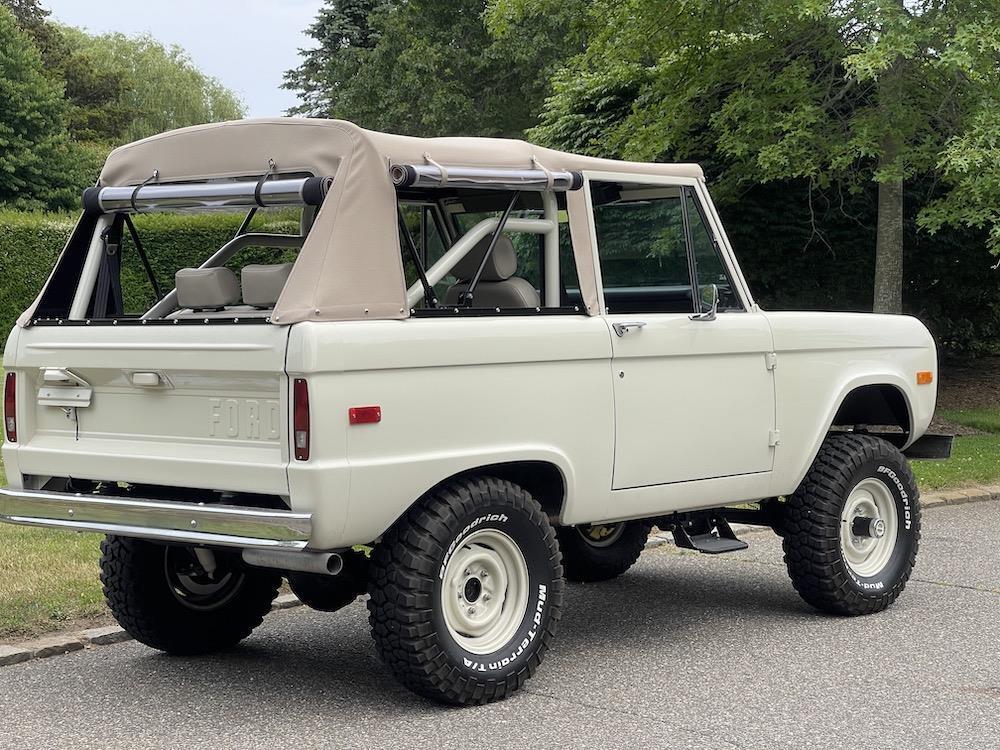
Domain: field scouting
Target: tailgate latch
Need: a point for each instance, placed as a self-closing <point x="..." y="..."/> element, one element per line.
<point x="64" y="388"/>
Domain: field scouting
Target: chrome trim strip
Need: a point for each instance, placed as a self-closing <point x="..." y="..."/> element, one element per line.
<point x="181" y="523"/>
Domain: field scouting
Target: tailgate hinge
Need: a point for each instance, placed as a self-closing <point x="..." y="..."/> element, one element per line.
<point x="773" y="438"/>
<point x="64" y="388"/>
<point x="771" y="360"/>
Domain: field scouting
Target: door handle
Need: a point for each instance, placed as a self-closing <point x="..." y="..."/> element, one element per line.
<point x="622" y="328"/>
<point x="146" y="379"/>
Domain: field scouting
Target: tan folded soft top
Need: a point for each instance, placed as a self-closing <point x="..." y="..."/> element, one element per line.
<point x="350" y="266"/>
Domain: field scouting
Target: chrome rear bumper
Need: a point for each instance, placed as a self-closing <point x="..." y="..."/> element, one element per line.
<point x="182" y="523"/>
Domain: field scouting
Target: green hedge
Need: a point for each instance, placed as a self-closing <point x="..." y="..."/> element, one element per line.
<point x="29" y="245"/>
<point x="949" y="283"/>
<point x="31" y="242"/>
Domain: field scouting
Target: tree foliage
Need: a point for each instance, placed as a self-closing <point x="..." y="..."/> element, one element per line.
<point x="67" y="98"/>
<point x="839" y="93"/>
<point x="430" y="67"/>
<point x="33" y="146"/>
<point x="124" y="88"/>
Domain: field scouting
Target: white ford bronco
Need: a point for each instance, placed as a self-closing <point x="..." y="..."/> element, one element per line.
<point x="474" y="369"/>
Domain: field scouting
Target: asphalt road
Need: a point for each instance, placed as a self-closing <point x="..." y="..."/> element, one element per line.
<point x="684" y="651"/>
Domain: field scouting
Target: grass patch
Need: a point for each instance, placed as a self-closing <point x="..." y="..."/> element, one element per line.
<point x="987" y="420"/>
<point x="48" y="579"/>
<point x="975" y="459"/>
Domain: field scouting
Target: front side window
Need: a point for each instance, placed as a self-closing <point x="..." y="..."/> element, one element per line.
<point x="654" y="247"/>
<point x="708" y="263"/>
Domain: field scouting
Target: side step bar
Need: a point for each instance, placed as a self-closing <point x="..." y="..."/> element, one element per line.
<point x="181" y="523"/>
<point x="713" y="538"/>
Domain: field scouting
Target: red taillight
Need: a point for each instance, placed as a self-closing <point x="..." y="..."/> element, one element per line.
<point x="300" y="419"/>
<point x="10" y="407"/>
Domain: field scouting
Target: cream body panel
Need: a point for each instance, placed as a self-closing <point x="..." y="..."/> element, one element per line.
<point x="643" y="502"/>
<point x="822" y="357"/>
<point x="693" y="399"/>
<point x="455" y="395"/>
<point x="216" y="420"/>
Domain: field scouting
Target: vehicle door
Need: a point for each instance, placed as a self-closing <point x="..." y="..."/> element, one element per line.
<point x="693" y="384"/>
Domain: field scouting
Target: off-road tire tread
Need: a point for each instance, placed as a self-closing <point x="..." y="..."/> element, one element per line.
<point x="129" y="567"/>
<point x="811" y="527"/>
<point x="587" y="564"/>
<point x="401" y="587"/>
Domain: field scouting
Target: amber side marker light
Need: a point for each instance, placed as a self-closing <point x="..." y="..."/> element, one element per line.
<point x="925" y="377"/>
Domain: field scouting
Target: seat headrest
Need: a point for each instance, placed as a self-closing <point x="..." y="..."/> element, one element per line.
<point x="262" y="285"/>
<point x="206" y="288"/>
<point x="500" y="267"/>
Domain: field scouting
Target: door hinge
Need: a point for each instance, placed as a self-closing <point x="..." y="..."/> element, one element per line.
<point x="771" y="360"/>
<point x="773" y="438"/>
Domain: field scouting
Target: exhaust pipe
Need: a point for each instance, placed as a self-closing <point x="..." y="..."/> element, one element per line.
<point x="303" y="561"/>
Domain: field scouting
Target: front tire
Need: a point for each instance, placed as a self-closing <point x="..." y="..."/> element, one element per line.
<point x="163" y="596"/>
<point x="466" y="591"/>
<point x="602" y="551"/>
<point x="852" y="529"/>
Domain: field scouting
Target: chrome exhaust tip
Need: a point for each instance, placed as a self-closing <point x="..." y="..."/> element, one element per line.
<point x="301" y="561"/>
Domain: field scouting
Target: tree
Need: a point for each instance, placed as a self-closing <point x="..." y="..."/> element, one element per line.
<point x="344" y="34"/>
<point x="841" y="94"/>
<point x="124" y="88"/>
<point x="29" y="14"/>
<point x="33" y="146"/>
<point x="430" y="67"/>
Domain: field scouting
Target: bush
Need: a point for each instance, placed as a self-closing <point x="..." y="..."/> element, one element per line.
<point x="949" y="284"/>
<point x="31" y="242"/>
<point x="29" y="246"/>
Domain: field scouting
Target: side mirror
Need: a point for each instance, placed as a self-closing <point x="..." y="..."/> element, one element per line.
<point x="708" y="298"/>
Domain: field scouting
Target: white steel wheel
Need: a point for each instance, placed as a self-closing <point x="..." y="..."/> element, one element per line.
<point x="868" y="528"/>
<point x="485" y="591"/>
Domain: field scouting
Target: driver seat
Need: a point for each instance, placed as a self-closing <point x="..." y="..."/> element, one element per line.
<point x="498" y="286"/>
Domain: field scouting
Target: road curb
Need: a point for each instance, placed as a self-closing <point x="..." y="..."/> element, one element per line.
<point x="58" y="644"/>
<point x="63" y="643"/>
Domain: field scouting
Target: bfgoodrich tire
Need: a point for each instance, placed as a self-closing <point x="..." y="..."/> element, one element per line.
<point x="466" y="591"/>
<point x="601" y="551"/>
<point x="164" y="598"/>
<point x="852" y="529"/>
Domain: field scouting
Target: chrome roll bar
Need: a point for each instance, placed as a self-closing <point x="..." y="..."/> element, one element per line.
<point x="433" y="175"/>
<point x="309" y="191"/>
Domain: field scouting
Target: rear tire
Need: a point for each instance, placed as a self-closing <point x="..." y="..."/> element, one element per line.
<point x="466" y="591"/>
<point x="601" y="552"/>
<point x="162" y="596"/>
<point x="852" y="529"/>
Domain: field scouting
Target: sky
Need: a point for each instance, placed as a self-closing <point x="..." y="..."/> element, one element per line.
<point x="246" y="44"/>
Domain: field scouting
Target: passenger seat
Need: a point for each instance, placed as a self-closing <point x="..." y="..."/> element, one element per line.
<point x="262" y="285"/>
<point x="498" y="286"/>
<point x="206" y="289"/>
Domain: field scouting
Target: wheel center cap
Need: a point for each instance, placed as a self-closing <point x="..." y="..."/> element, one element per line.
<point x="473" y="588"/>
<point x="868" y="528"/>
